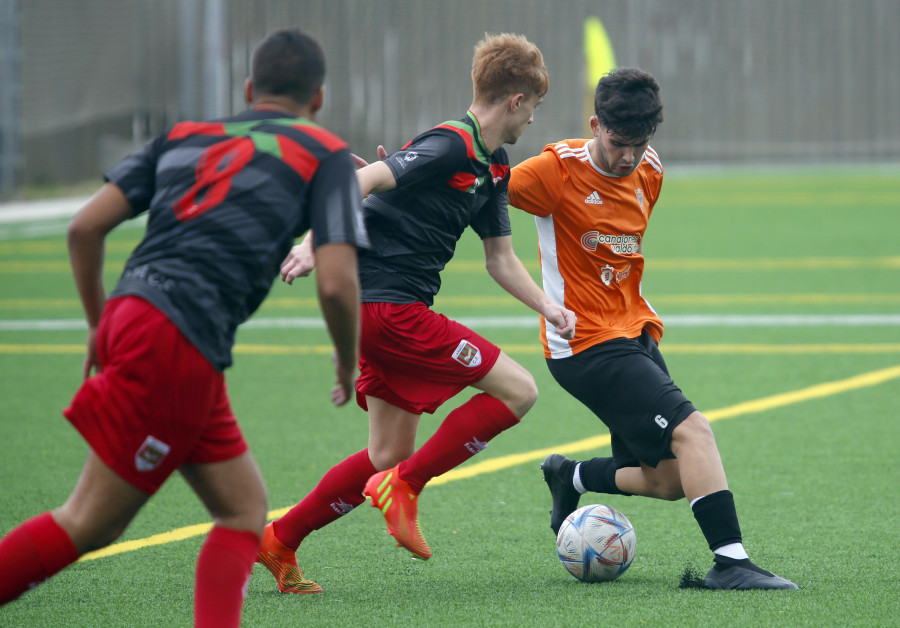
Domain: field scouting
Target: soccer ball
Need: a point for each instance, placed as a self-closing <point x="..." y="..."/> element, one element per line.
<point x="596" y="543"/>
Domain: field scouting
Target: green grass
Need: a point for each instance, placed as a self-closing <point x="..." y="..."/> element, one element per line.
<point x="815" y="481"/>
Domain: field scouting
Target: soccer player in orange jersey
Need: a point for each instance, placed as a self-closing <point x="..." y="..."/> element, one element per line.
<point x="591" y="199"/>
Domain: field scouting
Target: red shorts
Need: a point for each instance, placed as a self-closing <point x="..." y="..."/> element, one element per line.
<point x="157" y="404"/>
<point x="416" y="359"/>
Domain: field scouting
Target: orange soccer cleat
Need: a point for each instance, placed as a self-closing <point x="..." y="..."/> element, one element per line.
<point x="399" y="505"/>
<point x="282" y="562"/>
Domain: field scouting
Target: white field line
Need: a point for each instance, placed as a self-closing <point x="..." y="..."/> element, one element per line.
<point x="525" y="322"/>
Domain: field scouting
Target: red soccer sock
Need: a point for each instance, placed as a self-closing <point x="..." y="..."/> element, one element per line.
<point x="34" y="551"/>
<point x="338" y="492"/>
<point x="464" y="433"/>
<point x="223" y="571"/>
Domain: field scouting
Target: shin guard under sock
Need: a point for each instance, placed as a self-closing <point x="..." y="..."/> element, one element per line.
<point x="717" y="517"/>
<point x="337" y="493"/>
<point x="32" y="552"/>
<point x="223" y="572"/>
<point x="464" y="433"/>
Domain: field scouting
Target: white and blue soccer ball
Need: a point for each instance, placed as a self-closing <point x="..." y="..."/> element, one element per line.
<point x="596" y="543"/>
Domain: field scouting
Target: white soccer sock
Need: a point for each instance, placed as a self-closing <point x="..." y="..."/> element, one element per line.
<point x="732" y="550"/>
<point x="576" y="480"/>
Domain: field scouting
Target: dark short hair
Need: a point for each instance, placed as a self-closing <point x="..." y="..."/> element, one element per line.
<point x="627" y="103"/>
<point x="288" y="62"/>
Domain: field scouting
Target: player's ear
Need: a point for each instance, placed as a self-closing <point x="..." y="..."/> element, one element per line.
<point x="515" y="101"/>
<point x="248" y="91"/>
<point x="317" y="100"/>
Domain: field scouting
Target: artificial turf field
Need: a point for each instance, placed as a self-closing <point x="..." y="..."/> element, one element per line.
<point x="781" y="293"/>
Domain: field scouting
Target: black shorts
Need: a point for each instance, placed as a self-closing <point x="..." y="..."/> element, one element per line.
<point x="625" y="382"/>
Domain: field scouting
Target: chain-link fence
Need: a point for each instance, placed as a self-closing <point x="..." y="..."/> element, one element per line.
<point x="743" y="80"/>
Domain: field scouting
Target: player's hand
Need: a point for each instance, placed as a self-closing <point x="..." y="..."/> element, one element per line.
<point x="91" y="361"/>
<point x="362" y="163"/>
<point x="561" y="318"/>
<point x="300" y="262"/>
<point x="345" y="382"/>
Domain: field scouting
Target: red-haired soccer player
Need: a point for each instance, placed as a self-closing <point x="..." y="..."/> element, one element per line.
<point x="592" y="199"/>
<point x="413" y="359"/>
<point x="225" y="201"/>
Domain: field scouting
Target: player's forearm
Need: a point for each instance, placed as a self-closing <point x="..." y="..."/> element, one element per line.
<point x="376" y="177"/>
<point x="337" y="280"/>
<point x="342" y="319"/>
<point x="511" y="275"/>
<point x="86" y="255"/>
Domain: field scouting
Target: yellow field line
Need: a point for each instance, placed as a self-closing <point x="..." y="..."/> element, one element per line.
<point x="827" y="389"/>
<point x="179" y="534"/>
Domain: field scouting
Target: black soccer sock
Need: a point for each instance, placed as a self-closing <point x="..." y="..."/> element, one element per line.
<point x="599" y="476"/>
<point x="717" y="517"/>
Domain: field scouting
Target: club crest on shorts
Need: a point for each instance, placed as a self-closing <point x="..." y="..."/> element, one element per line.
<point x="467" y="354"/>
<point x="150" y="454"/>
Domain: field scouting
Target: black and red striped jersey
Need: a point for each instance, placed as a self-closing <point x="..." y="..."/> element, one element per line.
<point x="225" y="201"/>
<point x="446" y="181"/>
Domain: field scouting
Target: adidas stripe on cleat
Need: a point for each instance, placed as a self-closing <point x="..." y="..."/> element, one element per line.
<point x="399" y="505"/>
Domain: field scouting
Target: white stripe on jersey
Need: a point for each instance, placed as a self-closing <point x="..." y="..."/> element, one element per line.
<point x="564" y="151"/>
<point x="554" y="284"/>
<point x="641" y="293"/>
<point x="652" y="158"/>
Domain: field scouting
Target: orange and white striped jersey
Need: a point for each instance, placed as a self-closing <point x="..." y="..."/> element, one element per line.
<point x="590" y="227"/>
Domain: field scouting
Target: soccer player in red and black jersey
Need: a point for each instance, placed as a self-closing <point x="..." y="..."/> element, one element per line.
<point x="413" y="359"/>
<point x="225" y="201"/>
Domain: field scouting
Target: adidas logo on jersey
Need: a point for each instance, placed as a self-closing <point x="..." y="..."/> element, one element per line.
<point x="594" y="199"/>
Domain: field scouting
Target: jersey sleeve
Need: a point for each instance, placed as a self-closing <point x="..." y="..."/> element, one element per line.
<point x="654" y="177"/>
<point x="434" y="156"/>
<point x="136" y="175"/>
<point x="493" y="219"/>
<point x="536" y="184"/>
<point x="335" y="203"/>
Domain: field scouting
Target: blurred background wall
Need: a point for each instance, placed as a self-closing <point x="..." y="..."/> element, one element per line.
<point x="744" y="81"/>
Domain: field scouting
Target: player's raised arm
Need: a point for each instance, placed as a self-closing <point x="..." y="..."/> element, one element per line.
<point x="376" y="177"/>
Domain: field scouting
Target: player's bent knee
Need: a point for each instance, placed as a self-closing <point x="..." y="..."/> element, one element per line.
<point x="695" y="428"/>
<point x="664" y="486"/>
<point x="512" y="384"/>
<point x="526" y="395"/>
<point x="670" y="492"/>
<point x="88" y="531"/>
<point x="386" y="458"/>
<point x="99" y="538"/>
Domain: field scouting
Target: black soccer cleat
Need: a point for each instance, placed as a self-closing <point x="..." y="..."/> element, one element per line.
<point x="565" y="497"/>
<point x="743" y="575"/>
